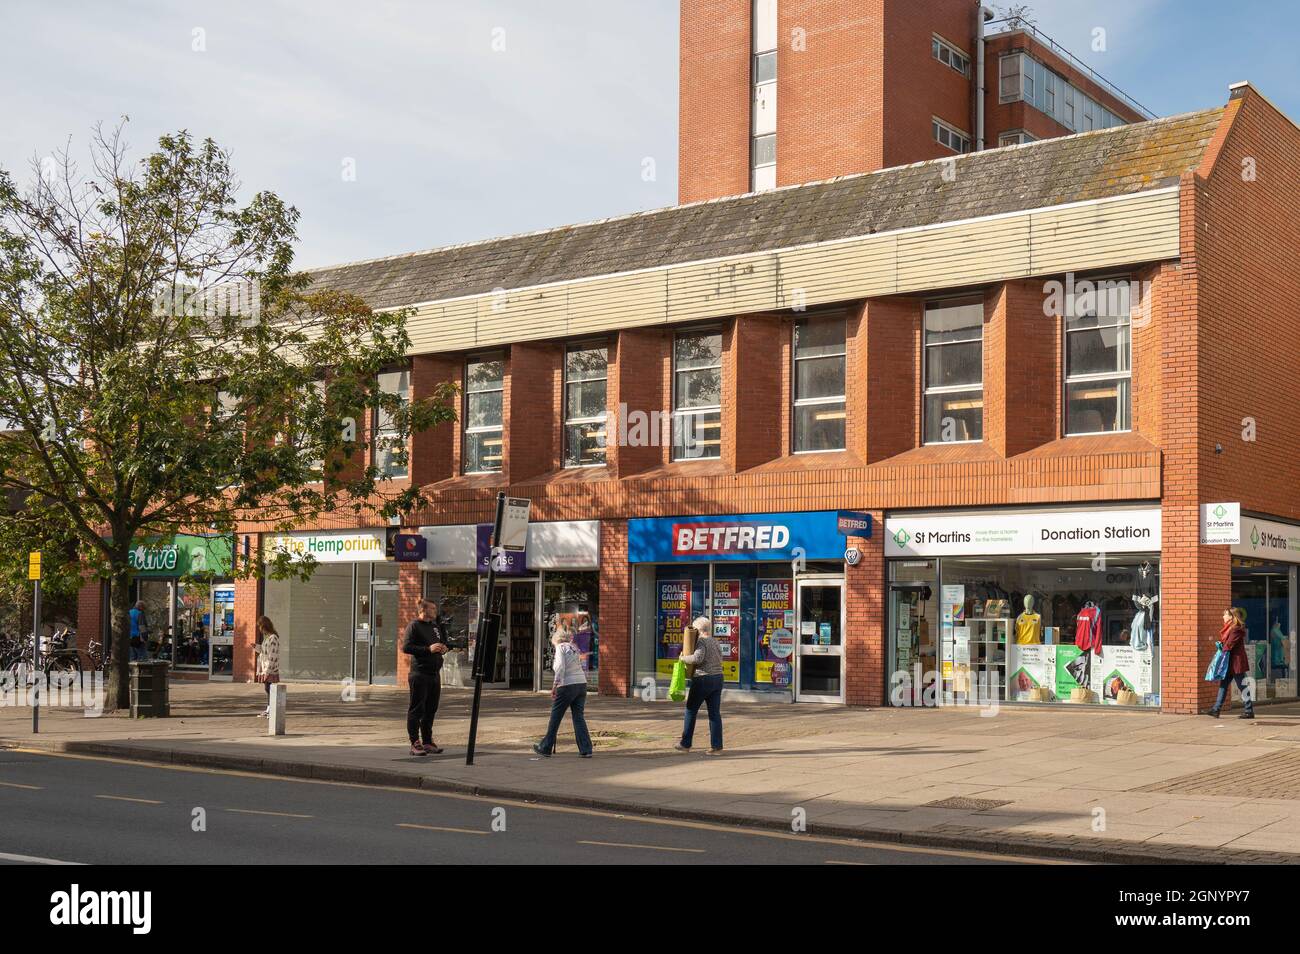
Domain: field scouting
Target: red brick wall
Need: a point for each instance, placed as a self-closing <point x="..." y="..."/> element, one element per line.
<point x="534" y="378"/>
<point x="615" y="610"/>
<point x="713" y="118"/>
<point x="433" y="451"/>
<point x="410" y="587"/>
<point x="248" y="607"/>
<point x="865" y="646"/>
<point x="753" y="390"/>
<point x="90" y="613"/>
<point x="1020" y="344"/>
<point x="640" y="366"/>
<point x="890" y="376"/>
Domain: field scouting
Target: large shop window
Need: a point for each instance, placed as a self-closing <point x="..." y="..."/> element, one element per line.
<point x="1266" y="592"/>
<point x="819" y="365"/>
<point x="483" y="437"/>
<point x="954" y="371"/>
<point x="586" y="368"/>
<point x="391" y="457"/>
<point x="1098" y="358"/>
<point x="697" y="395"/>
<point x="1060" y="628"/>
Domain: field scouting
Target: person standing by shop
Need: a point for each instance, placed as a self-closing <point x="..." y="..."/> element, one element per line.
<point x="425" y="642"/>
<point x="1232" y="640"/>
<point x="139" y="632"/>
<point x="706" y="688"/>
<point x="267" y="648"/>
<point x="568" y="693"/>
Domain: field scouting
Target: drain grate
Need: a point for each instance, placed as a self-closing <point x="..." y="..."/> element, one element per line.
<point x="964" y="804"/>
<point x="1273" y="775"/>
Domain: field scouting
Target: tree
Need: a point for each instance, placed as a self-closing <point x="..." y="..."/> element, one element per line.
<point x="164" y="370"/>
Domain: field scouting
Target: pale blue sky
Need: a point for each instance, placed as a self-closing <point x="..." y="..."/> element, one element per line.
<point x="455" y="141"/>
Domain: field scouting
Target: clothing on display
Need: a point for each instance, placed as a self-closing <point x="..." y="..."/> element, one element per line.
<point x="1145" y="598"/>
<point x="1029" y="628"/>
<point x="1087" y="628"/>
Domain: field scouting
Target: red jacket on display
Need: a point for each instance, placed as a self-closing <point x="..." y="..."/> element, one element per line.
<point x="1087" y="629"/>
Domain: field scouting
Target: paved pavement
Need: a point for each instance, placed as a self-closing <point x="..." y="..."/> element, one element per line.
<point x="1079" y="783"/>
<point x="75" y="809"/>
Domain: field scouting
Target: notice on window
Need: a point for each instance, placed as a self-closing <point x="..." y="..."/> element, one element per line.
<point x="674" y="618"/>
<point x="775" y="612"/>
<point x="726" y="626"/>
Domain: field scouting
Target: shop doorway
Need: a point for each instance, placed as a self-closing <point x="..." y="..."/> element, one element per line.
<point x="515" y="663"/>
<point x="374" y="635"/>
<point x="1264" y="591"/>
<point x="819" y="656"/>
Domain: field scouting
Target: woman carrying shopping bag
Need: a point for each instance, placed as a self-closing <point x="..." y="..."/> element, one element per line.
<point x="1232" y="643"/>
<point x="706" y="687"/>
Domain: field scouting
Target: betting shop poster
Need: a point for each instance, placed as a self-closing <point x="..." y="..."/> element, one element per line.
<point x="775" y="612"/>
<point x="726" y="626"/>
<point x="674" y="618"/>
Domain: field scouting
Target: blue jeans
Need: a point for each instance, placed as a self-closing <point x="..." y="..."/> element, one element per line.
<point x="705" y="690"/>
<point x="139" y="654"/>
<point x="575" y="698"/>
<point x="1240" y="679"/>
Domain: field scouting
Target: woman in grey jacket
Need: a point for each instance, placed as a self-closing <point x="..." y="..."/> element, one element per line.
<point x="706" y="688"/>
<point x="570" y="692"/>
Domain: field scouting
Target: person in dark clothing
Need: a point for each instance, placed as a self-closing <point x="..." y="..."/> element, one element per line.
<point x="1232" y="640"/>
<point x="425" y="642"/>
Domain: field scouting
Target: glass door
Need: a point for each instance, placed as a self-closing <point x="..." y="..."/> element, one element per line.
<point x="819" y="659"/>
<point x="383" y="633"/>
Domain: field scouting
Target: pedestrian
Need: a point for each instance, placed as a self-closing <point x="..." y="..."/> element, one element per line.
<point x="139" y="632"/>
<point x="267" y="648"/>
<point x="1232" y="640"/>
<point x="569" y="692"/>
<point x="425" y="641"/>
<point x="706" y="688"/>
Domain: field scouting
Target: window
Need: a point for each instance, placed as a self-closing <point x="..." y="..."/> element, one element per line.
<point x="949" y="55"/>
<point x="819" y="409"/>
<point x="1016" y="138"/>
<point x="585" y="370"/>
<point x="762" y="148"/>
<point x="954" y="371"/>
<point x="1010" y="86"/>
<point x="1098" y="358"/>
<point x="390" y="454"/>
<point x="697" y="395"/>
<point x="948" y="136"/>
<point x="1023" y="77"/>
<point x="484" y="387"/>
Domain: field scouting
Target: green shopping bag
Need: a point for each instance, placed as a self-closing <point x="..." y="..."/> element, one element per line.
<point x="677" y="687"/>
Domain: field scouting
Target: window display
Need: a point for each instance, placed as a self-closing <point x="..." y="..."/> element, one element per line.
<point x="1026" y="629"/>
<point x="1263" y="590"/>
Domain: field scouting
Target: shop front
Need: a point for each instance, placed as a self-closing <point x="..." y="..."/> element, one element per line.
<point x="772" y="586"/>
<point x="342" y="622"/>
<point x="1264" y="584"/>
<point x="182" y="582"/>
<point x="1035" y="606"/>
<point x="552" y="586"/>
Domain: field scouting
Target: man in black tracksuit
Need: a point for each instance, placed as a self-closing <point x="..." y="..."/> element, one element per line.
<point x="425" y="642"/>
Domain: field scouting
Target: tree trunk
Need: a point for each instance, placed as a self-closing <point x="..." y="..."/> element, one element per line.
<point x="118" y="694"/>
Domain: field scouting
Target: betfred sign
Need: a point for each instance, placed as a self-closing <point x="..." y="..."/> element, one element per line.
<point x="721" y="539"/>
<point x="747" y="536"/>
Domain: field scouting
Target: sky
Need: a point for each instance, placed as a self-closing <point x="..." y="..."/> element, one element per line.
<point x="399" y="126"/>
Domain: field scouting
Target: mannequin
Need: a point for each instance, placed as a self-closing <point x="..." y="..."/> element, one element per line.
<point x="1142" y="630"/>
<point x="1029" y="625"/>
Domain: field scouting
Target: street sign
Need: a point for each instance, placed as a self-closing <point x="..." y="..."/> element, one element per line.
<point x="514" y="524"/>
<point x="34" y="565"/>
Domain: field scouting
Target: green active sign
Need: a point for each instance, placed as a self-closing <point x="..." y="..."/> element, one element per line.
<point x="182" y="555"/>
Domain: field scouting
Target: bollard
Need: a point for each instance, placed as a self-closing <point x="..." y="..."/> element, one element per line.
<point x="275" y="718"/>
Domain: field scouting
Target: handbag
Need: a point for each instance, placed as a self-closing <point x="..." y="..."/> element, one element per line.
<point x="1218" y="667"/>
<point x="677" y="686"/>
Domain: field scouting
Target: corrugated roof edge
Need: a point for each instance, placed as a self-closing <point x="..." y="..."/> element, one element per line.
<point x="973" y="156"/>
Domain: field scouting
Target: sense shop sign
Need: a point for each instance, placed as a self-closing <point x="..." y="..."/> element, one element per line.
<point x="1023" y="532"/>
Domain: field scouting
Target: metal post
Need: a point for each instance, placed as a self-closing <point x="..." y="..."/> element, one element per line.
<point x="483" y="627"/>
<point x="36" y="656"/>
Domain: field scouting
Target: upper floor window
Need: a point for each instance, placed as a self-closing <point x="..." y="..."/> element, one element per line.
<point x="819" y="365"/>
<point x="1098" y="357"/>
<point x="391" y="457"/>
<point x="483" y="436"/>
<point x="586" y="368"/>
<point x="954" y="371"/>
<point x="1016" y="138"/>
<point x="949" y="55"/>
<point x="1021" y="77"/>
<point x="697" y="395"/>
<point x="950" y="136"/>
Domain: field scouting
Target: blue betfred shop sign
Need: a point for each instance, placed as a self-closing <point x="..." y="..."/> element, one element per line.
<point x="750" y="537"/>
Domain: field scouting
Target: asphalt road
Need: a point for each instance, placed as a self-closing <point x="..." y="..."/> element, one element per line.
<point x="98" y="811"/>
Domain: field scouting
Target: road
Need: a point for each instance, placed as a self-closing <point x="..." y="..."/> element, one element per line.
<point x="101" y="811"/>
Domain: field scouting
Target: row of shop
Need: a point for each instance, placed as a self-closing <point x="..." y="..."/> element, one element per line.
<point x="1034" y="606"/>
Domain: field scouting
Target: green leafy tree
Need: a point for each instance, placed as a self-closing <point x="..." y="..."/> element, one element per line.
<point x="164" y="370"/>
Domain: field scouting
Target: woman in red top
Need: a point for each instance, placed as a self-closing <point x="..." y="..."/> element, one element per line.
<point x="1232" y="640"/>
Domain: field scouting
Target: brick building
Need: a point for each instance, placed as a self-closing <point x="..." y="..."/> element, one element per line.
<point x="1030" y="367"/>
